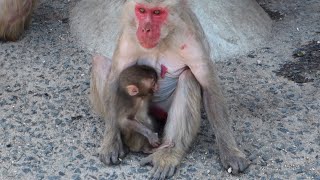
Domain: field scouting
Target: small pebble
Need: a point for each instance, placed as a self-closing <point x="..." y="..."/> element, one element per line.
<point x="284" y="130"/>
<point x="80" y="156"/>
<point x="54" y="178"/>
<point x="91" y="168"/>
<point x="58" y="121"/>
<point x="278" y="161"/>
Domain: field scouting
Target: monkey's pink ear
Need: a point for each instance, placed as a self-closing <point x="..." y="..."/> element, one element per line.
<point x="132" y="90"/>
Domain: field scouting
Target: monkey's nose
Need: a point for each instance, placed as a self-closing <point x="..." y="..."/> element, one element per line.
<point x="146" y="28"/>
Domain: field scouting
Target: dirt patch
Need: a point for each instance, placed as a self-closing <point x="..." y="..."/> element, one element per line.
<point x="306" y="68"/>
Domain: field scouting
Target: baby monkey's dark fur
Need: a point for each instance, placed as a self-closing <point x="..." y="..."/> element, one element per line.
<point x="136" y="87"/>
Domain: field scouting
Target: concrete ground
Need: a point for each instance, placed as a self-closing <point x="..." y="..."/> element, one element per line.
<point x="48" y="130"/>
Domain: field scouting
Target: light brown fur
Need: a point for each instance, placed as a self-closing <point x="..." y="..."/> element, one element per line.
<point x="15" y="16"/>
<point x="182" y="48"/>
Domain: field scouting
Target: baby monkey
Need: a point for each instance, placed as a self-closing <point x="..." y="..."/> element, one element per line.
<point x="136" y="87"/>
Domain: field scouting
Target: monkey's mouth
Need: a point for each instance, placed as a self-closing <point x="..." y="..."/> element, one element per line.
<point x="148" y="40"/>
<point x="148" y="45"/>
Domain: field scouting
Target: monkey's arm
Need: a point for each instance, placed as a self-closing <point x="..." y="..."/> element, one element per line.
<point x="112" y="147"/>
<point x="143" y="130"/>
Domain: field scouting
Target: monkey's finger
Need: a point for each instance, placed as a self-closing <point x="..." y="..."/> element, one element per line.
<point x="114" y="157"/>
<point x="158" y="143"/>
<point x="105" y="159"/>
<point x="154" y="169"/>
<point x="233" y="165"/>
<point x="243" y="165"/>
<point x="165" y="172"/>
<point x="123" y="152"/>
<point x="240" y="166"/>
<point x="157" y="173"/>
<point x="171" y="171"/>
<point x="234" y="170"/>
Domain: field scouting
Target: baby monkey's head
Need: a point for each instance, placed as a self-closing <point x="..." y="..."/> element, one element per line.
<point x="139" y="80"/>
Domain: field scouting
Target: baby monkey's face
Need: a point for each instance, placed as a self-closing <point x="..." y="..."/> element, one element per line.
<point x="151" y="85"/>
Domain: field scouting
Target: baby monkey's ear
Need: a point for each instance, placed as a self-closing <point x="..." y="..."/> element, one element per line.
<point x="132" y="90"/>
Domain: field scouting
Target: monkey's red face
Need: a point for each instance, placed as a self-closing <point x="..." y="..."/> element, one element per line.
<point x="150" y="23"/>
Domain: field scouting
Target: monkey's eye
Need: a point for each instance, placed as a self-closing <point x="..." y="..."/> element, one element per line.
<point x="156" y="12"/>
<point x="142" y="10"/>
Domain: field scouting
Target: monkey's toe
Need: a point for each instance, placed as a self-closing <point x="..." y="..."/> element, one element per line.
<point x="236" y="164"/>
<point x="160" y="173"/>
<point x="164" y="164"/>
<point x="111" y="155"/>
<point x="109" y="159"/>
<point x="168" y="172"/>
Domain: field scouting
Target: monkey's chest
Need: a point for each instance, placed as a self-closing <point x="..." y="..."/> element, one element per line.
<point x="167" y="83"/>
<point x="167" y="64"/>
<point x="169" y="68"/>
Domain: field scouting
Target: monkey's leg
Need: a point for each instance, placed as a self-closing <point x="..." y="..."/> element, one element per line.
<point x="111" y="146"/>
<point x="182" y="125"/>
<point x="143" y="130"/>
<point x="230" y="155"/>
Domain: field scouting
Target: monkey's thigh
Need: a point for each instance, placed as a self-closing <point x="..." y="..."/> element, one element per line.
<point x="184" y="115"/>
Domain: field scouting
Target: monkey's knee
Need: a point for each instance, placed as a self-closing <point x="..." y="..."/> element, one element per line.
<point x="99" y="60"/>
<point x="188" y="82"/>
<point x="101" y="64"/>
<point x="186" y="75"/>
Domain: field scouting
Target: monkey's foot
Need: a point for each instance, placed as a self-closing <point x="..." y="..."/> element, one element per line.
<point x="164" y="162"/>
<point x="111" y="153"/>
<point x="233" y="160"/>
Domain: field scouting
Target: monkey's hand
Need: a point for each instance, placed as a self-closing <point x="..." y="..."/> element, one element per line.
<point x="154" y="140"/>
<point x="233" y="160"/>
<point x="164" y="162"/>
<point x="111" y="150"/>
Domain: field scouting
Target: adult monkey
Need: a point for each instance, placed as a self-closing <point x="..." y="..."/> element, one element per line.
<point x="166" y="35"/>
